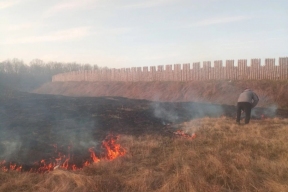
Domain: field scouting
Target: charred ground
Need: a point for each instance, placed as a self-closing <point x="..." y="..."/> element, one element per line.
<point x="32" y="125"/>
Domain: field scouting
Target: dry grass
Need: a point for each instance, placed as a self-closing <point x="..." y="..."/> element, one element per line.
<point x="223" y="157"/>
<point x="214" y="91"/>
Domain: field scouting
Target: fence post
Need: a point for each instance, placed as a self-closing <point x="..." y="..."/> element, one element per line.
<point x="153" y="73"/>
<point x="168" y="73"/>
<point x="177" y="72"/>
<point x="229" y="69"/>
<point x="283" y="64"/>
<point x="206" y="70"/>
<point x="196" y="71"/>
<point x="160" y="73"/>
<point x="218" y="69"/>
<point x="243" y="72"/>
<point x="146" y="74"/>
<point x="185" y="72"/>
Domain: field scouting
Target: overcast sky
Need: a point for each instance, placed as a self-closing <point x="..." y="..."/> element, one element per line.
<point x="134" y="33"/>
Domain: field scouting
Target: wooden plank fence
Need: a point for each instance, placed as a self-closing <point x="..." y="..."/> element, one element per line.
<point x="187" y="72"/>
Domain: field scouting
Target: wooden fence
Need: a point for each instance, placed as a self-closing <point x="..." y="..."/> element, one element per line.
<point x="186" y="72"/>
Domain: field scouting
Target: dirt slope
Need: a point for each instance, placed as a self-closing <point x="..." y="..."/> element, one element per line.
<point x="271" y="93"/>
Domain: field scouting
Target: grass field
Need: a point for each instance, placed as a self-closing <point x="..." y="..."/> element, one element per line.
<point x="221" y="156"/>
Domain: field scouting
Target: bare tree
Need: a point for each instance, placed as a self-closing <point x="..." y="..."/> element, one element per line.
<point x="15" y="73"/>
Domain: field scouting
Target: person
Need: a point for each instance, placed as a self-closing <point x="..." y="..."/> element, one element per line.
<point x="246" y="101"/>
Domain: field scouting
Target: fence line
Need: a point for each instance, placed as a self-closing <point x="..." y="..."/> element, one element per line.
<point x="186" y="72"/>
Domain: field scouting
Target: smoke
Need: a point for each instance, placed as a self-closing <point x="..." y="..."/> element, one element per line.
<point x="75" y="132"/>
<point x="10" y="148"/>
<point x="177" y="112"/>
<point x="67" y="137"/>
<point x="189" y="127"/>
<point x="35" y="127"/>
<point x="270" y="111"/>
<point x="164" y="112"/>
<point x="200" y="110"/>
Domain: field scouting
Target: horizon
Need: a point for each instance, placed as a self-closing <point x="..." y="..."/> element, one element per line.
<point x="124" y="34"/>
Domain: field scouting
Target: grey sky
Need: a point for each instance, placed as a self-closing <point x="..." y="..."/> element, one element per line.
<point x="132" y="33"/>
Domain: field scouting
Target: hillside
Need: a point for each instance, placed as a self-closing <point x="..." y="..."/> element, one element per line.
<point x="271" y="93"/>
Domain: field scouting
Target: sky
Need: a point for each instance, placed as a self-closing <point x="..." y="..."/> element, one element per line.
<point x="134" y="33"/>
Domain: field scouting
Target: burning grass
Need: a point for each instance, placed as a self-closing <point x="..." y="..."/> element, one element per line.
<point x="110" y="150"/>
<point x="223" y="157"/>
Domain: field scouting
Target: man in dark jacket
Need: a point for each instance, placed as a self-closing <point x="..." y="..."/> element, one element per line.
<point x="246" y="101"/>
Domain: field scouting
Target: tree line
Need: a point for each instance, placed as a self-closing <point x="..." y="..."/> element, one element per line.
<point x="16" y="74"/>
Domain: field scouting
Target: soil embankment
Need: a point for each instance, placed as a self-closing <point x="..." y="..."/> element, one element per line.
<point x="271" y="93"/>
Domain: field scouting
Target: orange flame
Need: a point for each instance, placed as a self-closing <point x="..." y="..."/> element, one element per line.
<point x="65" y="164"/>
<point x="86" y="164"/>
<point x="93" y="155"/>
<point x="2" y="162"/>
<point x="12" y="166"/>
<point x="112" y="151"/>
<point x="181" y="133"/>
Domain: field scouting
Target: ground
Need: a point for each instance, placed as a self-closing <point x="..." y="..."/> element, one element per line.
<point x="32" y="125"/>
<point x="36" y="127"/>
<point x="272" y="94"/>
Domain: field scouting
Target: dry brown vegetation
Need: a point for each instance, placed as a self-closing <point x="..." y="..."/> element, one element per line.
<point x="219" y="92"/>
<point x="223" y="157"/>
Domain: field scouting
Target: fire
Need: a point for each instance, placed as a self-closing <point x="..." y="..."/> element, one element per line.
<point x="3" y="167"/>
<point x="93" y="155"/>
<point x="12" y="166"/>
<point x="111" y="150"/>
<point x="181" y="133"/>
<point x="86" y="163"/>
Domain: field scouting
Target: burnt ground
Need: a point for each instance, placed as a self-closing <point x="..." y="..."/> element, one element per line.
<point x="35" y="127"/>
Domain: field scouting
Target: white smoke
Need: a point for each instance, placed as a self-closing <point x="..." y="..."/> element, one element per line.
<point x="173" y="112"/>
<point x="10" y="148"/>
<point x="78" y="133"/>
<point x="269" y="111"/>
<point x="165" y="114"/>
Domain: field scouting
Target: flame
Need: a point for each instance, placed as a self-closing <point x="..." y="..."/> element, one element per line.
<point x="181" y="133"/>
<point x="74" y="168"/>
<point x="65" y="164"/>
<point x="93" y="155"/>
<point x="112" y="150"/>
<point x="87" y="163"/>
<point x="3" y="167"/>
<point x="12" y="166"/>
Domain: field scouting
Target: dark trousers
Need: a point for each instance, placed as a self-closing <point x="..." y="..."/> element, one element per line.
<point x="246" y="107"/>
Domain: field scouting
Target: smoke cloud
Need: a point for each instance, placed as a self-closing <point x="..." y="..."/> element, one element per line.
<point x="171" y="112"/>
<point x="270" y="111"/>
<point x="35" y="127"/>
<point x="166" y="114"/>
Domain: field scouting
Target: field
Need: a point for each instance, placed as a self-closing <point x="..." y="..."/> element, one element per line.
<point x="224" y="92"/>
<point x="47" y="144"/>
